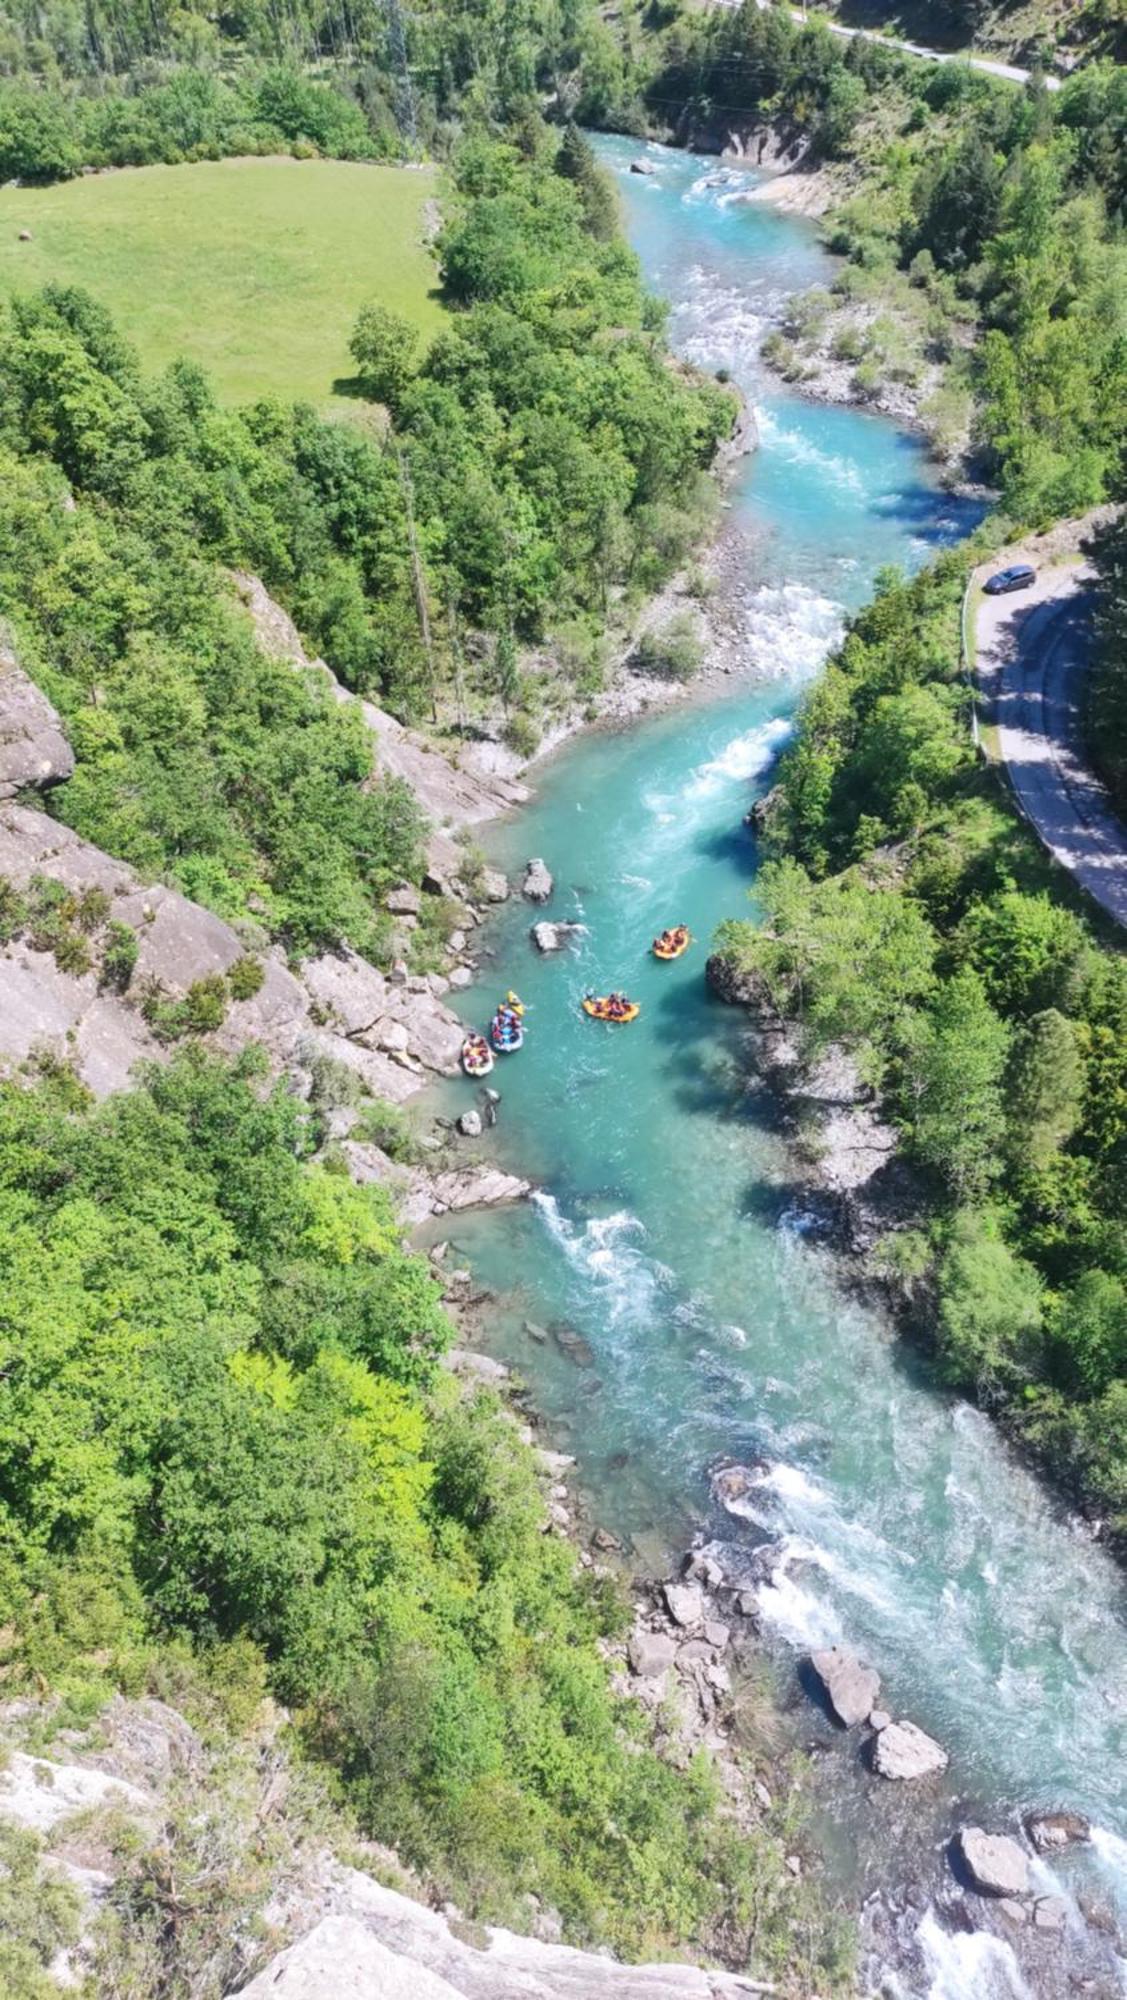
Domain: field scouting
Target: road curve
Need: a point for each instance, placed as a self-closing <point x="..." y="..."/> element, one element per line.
<point x="1031" y="658"/>
<point x="987" y="64"/>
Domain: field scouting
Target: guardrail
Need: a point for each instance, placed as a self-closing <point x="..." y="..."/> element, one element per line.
<point x="966" y="661"/>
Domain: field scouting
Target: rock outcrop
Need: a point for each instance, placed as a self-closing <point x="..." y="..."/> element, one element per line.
<point x="851" y="1689"/>
<point x="903" y="1751"/>
<point x="33" y="748"/>
<point x="537" y="884"/>
<point x="375" y="1944"/>
<point x="995" y="1864"/>
<point x="448" y="794"/>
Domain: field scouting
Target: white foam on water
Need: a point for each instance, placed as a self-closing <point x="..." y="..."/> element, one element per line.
<point x="1110" y="1852"/>
<point x="600" y="1251"/>
<point x="789" y="629"/>
<point x="793" y="1484"/>
<point x="798" y="1615"/>
<point x="741" y="759"/>
<point x="798" y="449"/>
<point x="968" y="1965"/>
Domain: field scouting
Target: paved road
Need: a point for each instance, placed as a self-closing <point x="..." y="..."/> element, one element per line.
<point x="1032" y="656"/>
<point x="1009" y="71"/>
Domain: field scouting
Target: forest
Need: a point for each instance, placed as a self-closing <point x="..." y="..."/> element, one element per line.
<point x="550" y="462"/>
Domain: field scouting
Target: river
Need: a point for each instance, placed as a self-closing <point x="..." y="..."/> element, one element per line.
<point x="666" y="1233"/>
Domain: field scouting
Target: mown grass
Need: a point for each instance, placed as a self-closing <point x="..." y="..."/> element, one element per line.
<point x="254" y="268"/>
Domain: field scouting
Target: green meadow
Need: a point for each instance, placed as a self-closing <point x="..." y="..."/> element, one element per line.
<point x="255" y="268"/>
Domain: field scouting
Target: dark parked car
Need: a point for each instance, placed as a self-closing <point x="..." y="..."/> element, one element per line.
<point x="1018" y="577"/>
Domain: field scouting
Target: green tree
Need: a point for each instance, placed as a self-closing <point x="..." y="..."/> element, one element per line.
<point x="383" y="345"/>
<point x="1045" y="1089"/>
<point x="952" y="1073"/>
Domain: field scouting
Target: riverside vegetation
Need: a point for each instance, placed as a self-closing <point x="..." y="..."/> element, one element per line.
<point x="982" y="227"/>
<point x="909" y="915"/>
<point x="226" y="1439"/>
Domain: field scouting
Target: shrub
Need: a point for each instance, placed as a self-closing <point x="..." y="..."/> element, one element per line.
<point x="522" y="734"/>
<point x="672" y="653"/>
<point x="245" y="977"/>
<point x="119" y="956"/>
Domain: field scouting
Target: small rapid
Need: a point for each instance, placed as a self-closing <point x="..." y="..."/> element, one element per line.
<point x="668" y="1236"/>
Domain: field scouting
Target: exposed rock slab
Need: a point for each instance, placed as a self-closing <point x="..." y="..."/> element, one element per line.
<point x="503" y="1967"/>
<point x="36" y="1793"/>
<point x="995" y="1863"/>
<point x="341" y="1960"/>
<point x="904" y="1751"/>
<point x="448" y="794"/>
<point x="851" y="1688"/>
<point x="33" y="748"/>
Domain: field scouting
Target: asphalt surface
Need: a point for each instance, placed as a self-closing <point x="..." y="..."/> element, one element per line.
<point x="1032" y="651"/>
<point x="1009" y="71"/>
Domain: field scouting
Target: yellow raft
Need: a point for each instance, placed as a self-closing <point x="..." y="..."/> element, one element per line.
<point x="598" y="1006"/>
<point x="672" y="942"/>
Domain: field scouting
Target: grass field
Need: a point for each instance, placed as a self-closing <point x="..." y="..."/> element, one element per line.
<point x="254" y="268"/>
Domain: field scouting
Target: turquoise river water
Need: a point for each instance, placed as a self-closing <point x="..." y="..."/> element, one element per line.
<point x="664" y="1231"/>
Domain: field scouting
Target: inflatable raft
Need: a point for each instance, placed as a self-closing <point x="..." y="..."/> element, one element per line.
<point x="672" y="942"/>
<point x="506" y="1034"/>
<point x="477" y="1057"/>
<point x="598" y="1006"/>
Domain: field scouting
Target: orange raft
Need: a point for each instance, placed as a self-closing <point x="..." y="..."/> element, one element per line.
<point x="611" y="1007"/>
<point x="672" y="942"/>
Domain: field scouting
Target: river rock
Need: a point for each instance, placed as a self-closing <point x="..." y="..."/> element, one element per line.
<point x="879" y="1719"/>
<point x="461" y="977"/>
<point x="573" y="1345"/>
<point x="546" y="937"/>
<point x="494" y="886"/>
<point x="404" y="901"/>
<point x="650" y="1653"/>
<point x="537" y="884"/>
<point x="642" y="167"/>
<point x="995" y="1863"/>
<point x="1050" y="1831"/>
<point x="851" y="1688"/>
<point x="904" y="1751"/>
<point x="731" y="1484"/>
<point x="469" y="1124"/>
<point x="684" y="1603"/>
<point x="1050" y="1913"/>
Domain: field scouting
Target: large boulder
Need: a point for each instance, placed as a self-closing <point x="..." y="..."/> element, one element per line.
<point x="552" y="937"/>
<point x="904" y="1751"/>
<point x="33" y="749"/>
<point x="684" y="1603"/>
<point x="851" y="1688"/>
<point x="537" y="884"/>
<point x="494" y="886"/>
<point x="994" y="1862"/>
<point x="650" y="1653"/>
<point x="1050" y="1831"/>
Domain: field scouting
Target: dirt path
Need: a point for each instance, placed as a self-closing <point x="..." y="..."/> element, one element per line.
<point x="1031" y="658"/>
